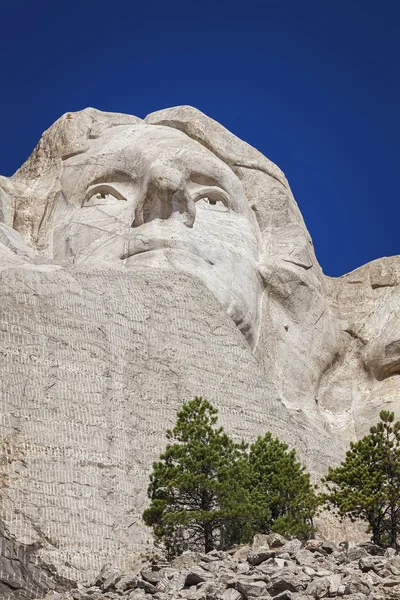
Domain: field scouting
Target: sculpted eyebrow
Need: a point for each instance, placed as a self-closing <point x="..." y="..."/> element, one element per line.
<point x="203" y="179"/>
<point x="115" y="175"/>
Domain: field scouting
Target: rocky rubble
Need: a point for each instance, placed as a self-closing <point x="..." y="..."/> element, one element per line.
<point x="272" y="567"/>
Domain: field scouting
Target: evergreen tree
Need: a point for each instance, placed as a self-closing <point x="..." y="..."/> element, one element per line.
<point x="282" y="496"/>
<point x="367" y="484"/>
<point x="196" y="487"/>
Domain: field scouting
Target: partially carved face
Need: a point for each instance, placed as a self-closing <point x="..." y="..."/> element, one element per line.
<point x="149" y="196"/>
<point x="178" y="191"/>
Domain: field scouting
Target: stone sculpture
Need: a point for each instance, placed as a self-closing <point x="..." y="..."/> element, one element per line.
<point x="144" y="262"/>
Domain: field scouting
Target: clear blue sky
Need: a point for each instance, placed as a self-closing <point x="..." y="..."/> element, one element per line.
<point x="313" y="84"/>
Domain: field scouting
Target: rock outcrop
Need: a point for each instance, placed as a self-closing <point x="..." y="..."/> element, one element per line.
<point x="143" y="262"/>
<point x="22" y="575"/>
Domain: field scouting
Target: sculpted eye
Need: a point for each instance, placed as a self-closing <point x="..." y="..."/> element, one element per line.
<point x="211" y="204"/>
<point x="212" y="198"/>
<point x="98" y="195"/>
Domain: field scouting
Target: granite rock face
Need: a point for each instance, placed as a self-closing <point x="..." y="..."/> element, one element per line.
<point x="23" y="575"/>
<point x="143" y="262"/>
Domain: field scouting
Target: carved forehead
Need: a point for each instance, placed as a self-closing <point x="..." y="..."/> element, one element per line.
<point x="74" y="133"/>
<point x="135" y="148"/>
<point x="75" y="136"/>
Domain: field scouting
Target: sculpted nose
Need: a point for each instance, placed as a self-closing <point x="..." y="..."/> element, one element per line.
<point x="166" y="196"/>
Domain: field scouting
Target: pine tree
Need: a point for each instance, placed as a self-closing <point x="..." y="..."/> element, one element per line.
<point x="196" y="487"/>
<point x="282" y="495"/>
<point x="367" y="484"/>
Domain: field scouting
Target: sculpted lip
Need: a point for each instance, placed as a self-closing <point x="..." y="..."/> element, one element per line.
<point x="159" y="245"/>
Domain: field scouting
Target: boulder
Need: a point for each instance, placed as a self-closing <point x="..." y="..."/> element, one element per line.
<point x="251" y="589"/>
<point x="291" y="547"/>
<point x="195" y="576"/>
<point x="260" y="540"/>
<point x="275" y="540"/>
<point x="259" y="555"/>
<point x="151" y="576"/>
<point x="231" y="594"/>
<point x="318" y="588"/>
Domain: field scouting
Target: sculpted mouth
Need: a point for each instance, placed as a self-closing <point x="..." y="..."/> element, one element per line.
<point x="140" y="247"/>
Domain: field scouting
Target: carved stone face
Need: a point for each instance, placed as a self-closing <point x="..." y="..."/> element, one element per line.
<point x="148" y="196"/>
<point x="178" y="191"/>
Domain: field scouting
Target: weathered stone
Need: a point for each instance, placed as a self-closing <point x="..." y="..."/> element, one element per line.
<point x="355" y="580"/>
<point x="391" y="583"/>
<point x="286" y="595"/>
<point x="341" y="590"/>
<point x="130" y="250"/>
<point x="147" y="587"/>
<point x="328" y="547"/>
<point x="260" y="540"/>
<point x="187" y="559"/>
<point x="356" y="553"/>
<point x="137" y="595"/>
<point x="22" y="575"/>
<point x="231" y="594"/>
<point x="323" y="573"/>
<point x="367" y="563"/>
<point x="150" y="576"/>
<point x="313" y="545"/>
<point x="110" y="581"/>
<point x="283" y="583"/>
<point x="309" y="571"/>
<point x="256" y="557"/>
<point x="243" y="567"/>
<point x="394" y="569"/>
<point x="284" y="555"/>
<point x="304" y="557"/>
<point x="195" y="576"/>
<point x="129" y="581"/>
<point x="214" y="555"/>
<point x="358" y="584"/>
<point x="275" y="540"/>
<point x="372" y="549"/>
<point x="192" y="594"/>
<point x="210" y="566"/>
<point x="335" y="584"/>
<point x="242" y="553"/>
<point x="172" y="580"/>
<point x="107" y="571"/>
<point x="318" y="588"/>
<point x="278" y="563"/>
<point x="225" y="575"/>
<point x="291" y="547"/>
<point x="250" y="589"/>
<point x="211" y="589"/>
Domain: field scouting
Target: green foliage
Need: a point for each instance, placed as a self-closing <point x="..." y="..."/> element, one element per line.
<point x="367" y="484"/>
<point x="196" y="487"/>
<point x="207" y="491"/>
<point x="281" y="490"/>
